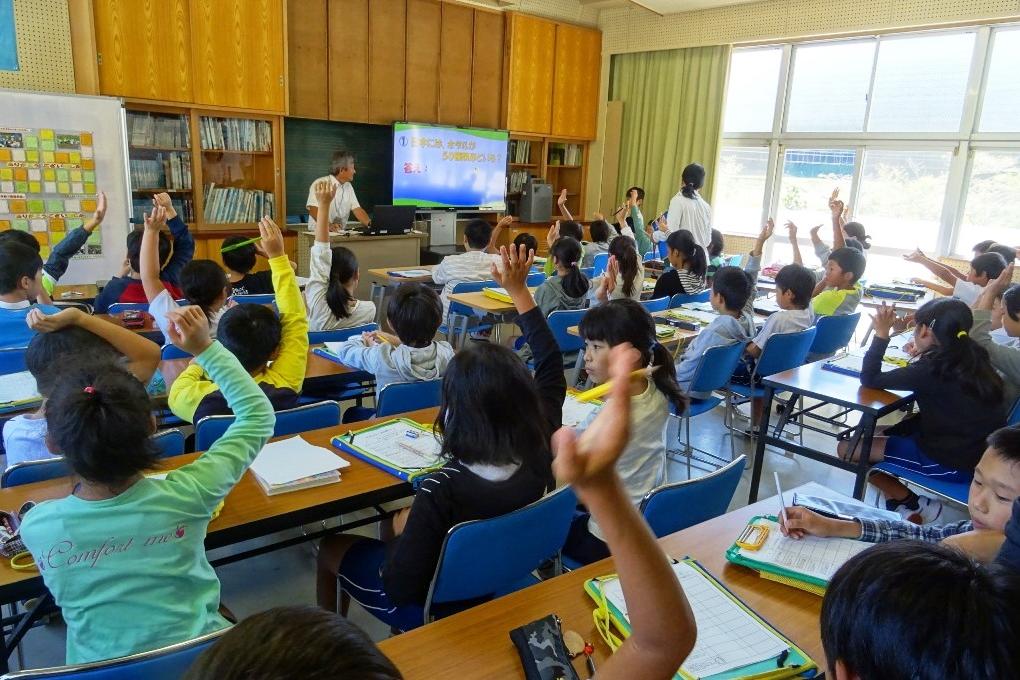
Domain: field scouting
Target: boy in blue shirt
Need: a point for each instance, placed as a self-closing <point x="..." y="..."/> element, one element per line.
<point x="20" y="285"/>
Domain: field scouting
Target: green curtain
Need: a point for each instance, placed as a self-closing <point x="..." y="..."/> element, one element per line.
<point x="672" y="116"/>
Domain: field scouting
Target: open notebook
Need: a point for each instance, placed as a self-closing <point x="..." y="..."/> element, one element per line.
<point x="18" y="391"/>
<point x="852" y="362"/>
<point x="399" y="446"/>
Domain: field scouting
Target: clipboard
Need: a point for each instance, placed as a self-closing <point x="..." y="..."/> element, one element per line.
<point x="797" y="664"/>
<point x="349" y="444"/>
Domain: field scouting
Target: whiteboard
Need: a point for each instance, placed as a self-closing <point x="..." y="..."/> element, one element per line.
<point x="104" y="117"/>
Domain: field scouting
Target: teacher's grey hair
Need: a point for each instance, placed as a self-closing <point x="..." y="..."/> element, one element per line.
<point x="341" y="159"/>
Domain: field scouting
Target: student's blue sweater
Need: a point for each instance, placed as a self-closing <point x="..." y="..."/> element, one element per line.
<point x="14" y="332"/>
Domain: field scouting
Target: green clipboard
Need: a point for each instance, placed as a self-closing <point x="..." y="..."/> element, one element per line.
<point x="772" y="572"/>
<point x="348" y="443"/>
<point x="798" y="663"/>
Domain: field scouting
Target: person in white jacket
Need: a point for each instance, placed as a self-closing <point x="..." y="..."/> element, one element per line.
<point x="688" y="210"/>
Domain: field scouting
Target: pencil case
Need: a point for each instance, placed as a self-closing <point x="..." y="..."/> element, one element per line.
<point x="542" y="650"/>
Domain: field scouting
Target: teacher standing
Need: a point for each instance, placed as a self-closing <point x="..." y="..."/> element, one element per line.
<point x="345" y="202"/>
<point x="688" y="210"/>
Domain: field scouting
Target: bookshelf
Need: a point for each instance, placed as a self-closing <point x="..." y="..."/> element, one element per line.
<point x="561" y="162"/>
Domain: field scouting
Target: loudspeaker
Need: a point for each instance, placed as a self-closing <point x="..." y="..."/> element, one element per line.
<point x="536" y="201"/>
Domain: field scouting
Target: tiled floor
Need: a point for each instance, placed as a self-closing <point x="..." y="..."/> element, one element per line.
<point x="287" y="577"/>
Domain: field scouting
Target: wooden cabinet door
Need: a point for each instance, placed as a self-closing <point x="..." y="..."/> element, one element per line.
<point x="143" y="48"/>
<point x="308" y="58"/>
<point x="421" y="84"/>
<point x="576" y="81"/>
<point x="455" y="65"/>
<point x="532" y="52"/>
<point x="238" y="54"/>
<point x="386" y="64"/>
<point x="487" y="70"/>
<point x="348" y="60"/>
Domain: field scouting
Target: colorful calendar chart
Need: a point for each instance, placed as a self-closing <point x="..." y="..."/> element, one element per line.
<point x="48" y="184"/>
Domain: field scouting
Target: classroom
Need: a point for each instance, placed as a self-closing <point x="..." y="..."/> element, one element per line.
<point x="532" y="339"/>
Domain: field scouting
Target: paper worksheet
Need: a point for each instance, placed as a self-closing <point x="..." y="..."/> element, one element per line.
<point x="689" y="314"/>
<point x="17" y="387"/>
<point x="399" y="445"/>
<point x="574" y="411"/>
<point x="411" y="273"/>
<point x="811" y="555"/>
<point x="291" y="459"/>
<point x="728" y="636"/>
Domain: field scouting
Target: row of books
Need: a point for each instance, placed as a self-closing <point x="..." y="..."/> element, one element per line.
<point x="516" y="181"/>
<point x="520" y="151"/>
<point x="567" y="154"/>
<point x="230" y="204"/>
<point x="146" y="129"/>
<point x="236" y="134"/>
<point x="140" y="206"/>
<point x="167" y="171"/>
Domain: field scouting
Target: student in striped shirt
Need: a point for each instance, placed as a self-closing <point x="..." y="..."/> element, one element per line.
<point x="690" y="265"/>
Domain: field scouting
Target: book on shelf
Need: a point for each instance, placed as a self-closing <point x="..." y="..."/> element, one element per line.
<point x="232" y="204"/>
<point x="164" y="131"/>
<point x="168" y="170"/>
<point x="235" y="134"/>
<point x="185" y="207"/>
<point x="517" y="180"/>
<point x="520" y="151"/>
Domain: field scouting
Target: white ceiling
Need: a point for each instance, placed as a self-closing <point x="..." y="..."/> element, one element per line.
<point x="665" y="6"/>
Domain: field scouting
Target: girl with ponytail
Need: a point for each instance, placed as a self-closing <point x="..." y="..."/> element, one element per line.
<point x="624" y="273"/>
<point x="642" y="465"/>
<point x="690" y="267"/>
<point x="959" y="399"/>
<point x="569" y="288"/>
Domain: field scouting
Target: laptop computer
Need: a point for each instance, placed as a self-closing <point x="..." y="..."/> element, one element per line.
<point x="392" y="219"/>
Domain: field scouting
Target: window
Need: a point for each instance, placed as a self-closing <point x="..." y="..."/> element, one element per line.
<point x="753" y="83"/>
<point x="992" y="209"/>
<point x="809" y="176"/>
<point x="830" y="86"/>
<point x="740" y="189"/>
<point x="1002" y="88"/>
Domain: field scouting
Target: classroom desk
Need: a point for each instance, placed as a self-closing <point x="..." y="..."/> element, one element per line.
<point x="150" y="327"/>
<point x="78" y="292"/>
<point x="485" y="305"/>
<point x="383" y="283"/>
<point x="247" y="512"/>
<point x="317" y="367"/>
<point x="476" y="643"/>
<point x="811" y="380"/>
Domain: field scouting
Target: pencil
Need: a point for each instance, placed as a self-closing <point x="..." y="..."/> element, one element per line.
<point x="602" y="390"/>
<point x="241" y="244"/>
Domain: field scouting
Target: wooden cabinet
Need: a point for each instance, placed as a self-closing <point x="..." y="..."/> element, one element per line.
<point x="424" y="34"/>
<point x="531" y="53"/>
<point x="487" y="70"/>
<point x="455" y="59"/>
<point x="308" y="59"/>
<point x="576" y="81"/>
<point x="386" y="60"/>
<point x="143" y="48"/>
<point x="348" y="60"/>
<point x="237" y="53"/>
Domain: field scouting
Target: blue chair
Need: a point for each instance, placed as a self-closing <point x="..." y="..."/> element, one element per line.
<point x="684" y="299"/>
<point x="535" y="279"/>
<point x="571" y="346"/>
<point x="408" y="396"/>
<point x="656" y="305"/>
<point x="490" y="557"/>
<point x="1014" y="414"/>
<point x="834" y="333"/>
<point x="12" y="360"/>
<point x="255" y="299"/>
<point x="599" y="263"/>
<point x="119" y="307"/>
<point x="674" y="507"/>
<point x="588" y="271"/>
<point x="170" y="442"/>
<point x="166" y="663"/>
<point x="647" y="257"/>
<point x="171" y="351"/>
<point x="663" y="250"/>
<point x="340" y="334"/>
<point x="956" y="492"/>
<point x="290" y="421"/>
<point x="32" y="471"/>
<point x="460" y="319"/>
<point x="356" y="385"/>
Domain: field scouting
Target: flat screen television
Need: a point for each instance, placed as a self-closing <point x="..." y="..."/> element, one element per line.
<point x="436" y="166"/>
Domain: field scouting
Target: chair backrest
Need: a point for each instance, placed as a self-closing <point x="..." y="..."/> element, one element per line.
<point x="340" y="334"/>
<point x="166" y="663"/>
<point x="484" y="557"/>
<point x="12" y="360"/>
<point x="170" y="442"/>
<point x="468" y="287"/>
<point x="289" y="421"/>
<point x="673" y="507"/>
<point x="588" y="271"/>
<point x="255" y="299"/>
<point x="560" y="321"/>
<point x="172" y="351"/>
<point x="1014" y="414"/>
<point x="716" y="367"/>
<point x="784" y="351"/>
<point x="663" y="250"/>
<point x="535" y="279"/>
<point x="408" y="396"/>
<point x="734" y="260"/>
<point x="83" y="306"/>
<point x="685" y="299"/>
<point x="600" y="262"/>
<point x="118" y="307"/>
<point x="33" y="471"/>
<point x="834" y="332"/>
<point x="650" y="255"/>
<point x="656" y="305"/>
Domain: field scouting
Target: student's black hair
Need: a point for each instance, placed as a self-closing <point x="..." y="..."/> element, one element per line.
<point x="251" y="333"/>
<point x="625" y="320"/>
<point x="572" y="229"/>
<point x="1011" y="301"/>
<point x="479" y="424"/>
<point x="856" y="230"/>
<point x="625" y="252"/>
<point x="134" y="248"/>
<point x="734" y="286"/>
<point x="203" y="282"/>
<point x="100" y="419"/>
<point x="981" y="247"/>
<point x="693" y="179"/>
<point x="855" y="244"/>
<point x="639" y="190"/>
<point x="341" y="270"/>
<point x="240" y="260"/>
<point x="568" y="252"/>
<point x="1008" y="254"/>
<point x="907" y="610"/>
<point x="16" y="262"/>
<point x="955" y="356"/>
<point x="300" y="642"/>
<point x="716" y="244"/>
<point x="989" y="264"/>
<point x="477" y="233"/>
<point x="415" y="313"/>
<point x="798" y="279"/>
<point x="527" y="240"/>
<point x="50" y="354"/>
<point x="695" y="258"/>
<point x="600" y="231"/>
<point x="22" y="237"/>
<point x="1006" y="441"/>
<point x="849" y="260"/>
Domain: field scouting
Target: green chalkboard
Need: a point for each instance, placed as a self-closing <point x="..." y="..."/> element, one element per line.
<point x="310" y="145"/>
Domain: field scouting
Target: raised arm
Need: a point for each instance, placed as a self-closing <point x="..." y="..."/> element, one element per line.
<point x="148" y="259"/>
<point x="184" y="242"/>
<point x="288" y="368"/>
<point x="561" y="203"/>
<point x="944" y="272"/>
<point x="67" y="247"/>
<point x="791" y="228"/>
<point x="324" y="193"/>
<point x="504" y="221"/>
<point x="836" y="208"/>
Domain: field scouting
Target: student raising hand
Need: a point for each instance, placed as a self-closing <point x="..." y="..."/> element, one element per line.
<point x="663" y="629"/>
<point x="162" y="200"/>
<point x="189" y="329"/>
<point x="272" y="239"/>
<point x="553" y="234"/>
<point x="513" y="275"/>
<point x="883" y="320"/>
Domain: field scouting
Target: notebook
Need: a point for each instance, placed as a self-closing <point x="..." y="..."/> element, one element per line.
<point x="18" y="391"/>
<point x="402" y="447"/>
<point x="574" y="411"/>
<point x="497" y="294"/>
<point x="852" y="363"/>
<point x="733" y="642"/>
<point x="411" y="273"/>
<point x="766" y="305"/>
<point x="663" y="330"/>
<point x="694" y="315"/>
<point x="292" y="464"/>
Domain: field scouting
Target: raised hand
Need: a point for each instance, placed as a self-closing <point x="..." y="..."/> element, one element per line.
<point x="814" y="230"/>
<point x="916" y="256"/>
<point x="100" y="212"/>
<point x="189" y="329"/>
<point x="998" y="286"/>
<point x="562" y="200"/>
<point x="516" y="267"/>
<point x="325" y="191"/>
<point x="883" y="320"/>
<point x="791" y="229"/>
<point x="767" y="230"/>
<point x="553" y="233"/>
<point x="163" y="200"/>
<point x="156" y="219"/>
<point x="505" y="221"/>
<point x="272" y="239"/>
<point x="41" y="322"/>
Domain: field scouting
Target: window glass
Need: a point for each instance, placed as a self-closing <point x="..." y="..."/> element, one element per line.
<point x="999" y="111"/>
<point x="751" y="90"/>
<point x="829" y="92"/>
<point x="740" y="189"/>
<point x="992" y="210"/>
